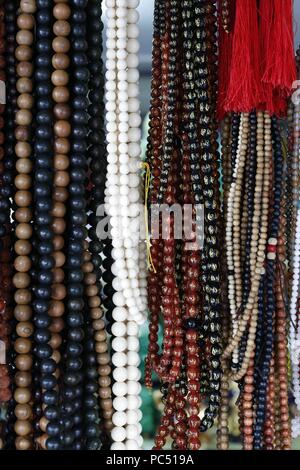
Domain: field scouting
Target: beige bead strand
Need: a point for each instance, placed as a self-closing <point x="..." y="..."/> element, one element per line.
<point x="101" y="340"/>
<point x="237" y="204"/>
<point x="257" y="256"/>
<point x="23" y="215"/>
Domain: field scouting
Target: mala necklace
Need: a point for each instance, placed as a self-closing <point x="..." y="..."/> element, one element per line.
<point x="24" y="229"/>
<point x="255" y="353"/>
<point x="65" y="288"/>
<point x="283" y="427"/>
<point x="6" y="17"/>
<point x="179" y="364"/>
<point x="62" y="130"/>
<point x="123" y="149"/>
<point x="44" y="261"/>
<point x="293" y="308"/>
<point x="293" y="217"/>
<point x="8" y="102"/>
<point x="7" y="171"/>
<point x="266" y="353"/>
<point x="73" y="375"/>
<point x="97" y="166"/>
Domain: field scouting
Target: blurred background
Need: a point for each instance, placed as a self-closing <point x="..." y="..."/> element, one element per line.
<point x="152" y="399"/>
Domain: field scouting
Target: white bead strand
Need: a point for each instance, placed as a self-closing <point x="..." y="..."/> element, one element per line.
<point x="122" y="203"/>
<point x="135" y="257"/>
<point x="294" y="338"/>
<point x="112" y="207"/>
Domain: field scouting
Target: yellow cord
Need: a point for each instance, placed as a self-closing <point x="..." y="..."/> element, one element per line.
<point x="150" y="264"/>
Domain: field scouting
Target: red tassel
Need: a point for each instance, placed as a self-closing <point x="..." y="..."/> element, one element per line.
<point x="277" y="52"/>
<point x="244" y="91"/>
<point x="225" y="53"/>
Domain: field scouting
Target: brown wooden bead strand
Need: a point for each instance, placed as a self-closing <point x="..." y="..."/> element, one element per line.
<point x="269" y="429"/>
<point x="101" y="339"/>
<point x="62" y="131"/>
<point x="5" y="265"/>
<point x="23" y="216"/>
<point x="281" y="347"/>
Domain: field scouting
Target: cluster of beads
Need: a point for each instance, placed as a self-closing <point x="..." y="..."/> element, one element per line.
<point x="76" y="276"/>
<point x="122" y="203"/>
<point x="58" y="388"/>
<point x="6" y="164"/>
<point x="23" y="245"/>
<point x="184" y="285"/>
<point x="256" y="351"/>
<point x="293" y="214"/>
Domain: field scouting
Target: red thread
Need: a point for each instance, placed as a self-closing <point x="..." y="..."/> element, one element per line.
<point x="245" y="91"/>
<point x="278" y="65"/>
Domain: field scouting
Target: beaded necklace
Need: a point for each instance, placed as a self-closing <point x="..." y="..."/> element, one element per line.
<point x="44" y="261"/>
<point x="73" y="375"/>
<point x="266" y="357"/>
<point x="23" y="216"/>
<point x="293" y="308"/>
<point x="122" y="198"/>
<point x="97" y="169"/>
<point x="7" y="108"/>
<point x="175" y="284"/>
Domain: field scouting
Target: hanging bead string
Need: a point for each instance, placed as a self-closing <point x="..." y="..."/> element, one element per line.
<point x="269" y="283"/>
<point x="294" y="334"/>
<point x="73" y="373"/>
<point x="134" y="246"/>
<point x="97" y="167"/>
<point x="260" y="397"/>
<point x="113" y="313"/>
<point x="223" y="430"/>
<point x="191" y="300"/>
<point x="58" y="371"/>
<point x="153" y="158"/>
<point x="167" y="144"/>
<point x="7" y="189"/>
<point x="256" y="257"/>
<point x="119" y="358"/>
<point x="283" y="428"/>
<point x="192" y="314"/>
<point x="97" y="170"/>
<point x="6" y="112"/>
<point x="123" y="153"/>
<point x="233" y="237"/>
<point x="8" y="104"/>
<point x="210" y="256"/>
<point x="96" y="137"/>
<point x="269" y="426"/>
<point x="100" y="346"/>
<point x="5" y="393"/>
<point x="92" y="439"/>
<point x="23" y="216"/>
<point x="292" y="176"/>
<point x="104" y="360"/>
<point x="168" y="365"/>
<point x="44" y="261"/>
<point x="294" y="337"/>
<point x="62" y="131"/>
<point x="225" y="13"/>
